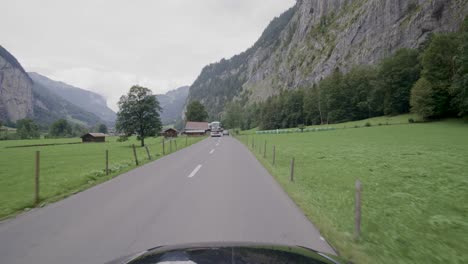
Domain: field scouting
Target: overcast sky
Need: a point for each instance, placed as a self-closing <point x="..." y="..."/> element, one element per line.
<point x="108" y="45"/>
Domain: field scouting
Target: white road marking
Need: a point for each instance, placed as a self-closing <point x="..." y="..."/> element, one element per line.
<point x="217" y="144"/>
<point x="321" y="238"/>
<point x="195" y="171"/>
<point x="211" y="152"/>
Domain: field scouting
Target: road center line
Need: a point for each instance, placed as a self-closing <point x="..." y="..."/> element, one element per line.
<point x="195" y="171"/>
<point x="217" y="144"/>
<point x="211" y="152"/>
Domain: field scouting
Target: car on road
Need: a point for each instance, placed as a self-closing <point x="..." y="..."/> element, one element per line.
<point x="225" y="132"/>
<point x="229" y="253"/>
<point x="216" y="134"/>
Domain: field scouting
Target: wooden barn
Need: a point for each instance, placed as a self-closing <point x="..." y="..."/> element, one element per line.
<point x="170" y="133"/>
<point x="196" y="128"/>
<point x="93" y="137"/>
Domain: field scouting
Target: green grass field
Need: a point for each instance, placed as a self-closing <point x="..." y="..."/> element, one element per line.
<point x="415" y="187"/>
<point x="66" y="169"/>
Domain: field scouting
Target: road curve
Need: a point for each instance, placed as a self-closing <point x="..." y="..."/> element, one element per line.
<point x="212" y="191"/>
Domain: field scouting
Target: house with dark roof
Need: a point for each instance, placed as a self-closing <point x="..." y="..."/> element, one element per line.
<point x="196" y="128"/>
<point x="93" y="137"/>
<point x="170" y="132"/>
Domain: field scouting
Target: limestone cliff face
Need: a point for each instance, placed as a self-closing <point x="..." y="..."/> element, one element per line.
<point x="321" y="35"/>
<point x="15" y="89"/>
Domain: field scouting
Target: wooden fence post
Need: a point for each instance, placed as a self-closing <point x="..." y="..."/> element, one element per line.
<point x="135" y="155"/>
<point x="107" y="162"/>
<point x="264" y="150"/>
<point x="186" y="140"/>
<point x="36" y="179"/>
<point x="163" y="148"/>
<point x="274" y="155"/>
<point x="292" y="170"/>
<point x="170" y="145"/>
<point x="357" y="211"/>
<point x="175" y="142"/>
<point x="148" y="152"/>
<point x="253" y="143"/>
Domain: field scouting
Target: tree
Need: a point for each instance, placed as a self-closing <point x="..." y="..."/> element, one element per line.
<point x="102" y="128"/>
<point x="61" y="128"/>
<point x="139" y="113"/>
<point x="459" y="89"/>
<point x="232" y="115"/>
<point x="79" y="130"/>
<point x="196" y="112"/>
<point x="422" y="100"/>
<point x="27" y="129"/>
<point x="397" y="76"/>
<point x="438" y="62"/>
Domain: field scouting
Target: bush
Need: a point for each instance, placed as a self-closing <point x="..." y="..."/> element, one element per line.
<point x="368" y="124"/>
<point x="356" y="126"/>
<point x="122" y="139"/>
<point x="380" y="124"/>
<point x="410" y="120"/>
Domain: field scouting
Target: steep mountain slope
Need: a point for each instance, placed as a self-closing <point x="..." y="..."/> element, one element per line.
<point x="49" y="107"/>
<point x="15" y="89"/>
<point x="87" y="100"/>
<point x="309" y="41"/>
<point x="172" y="104"/>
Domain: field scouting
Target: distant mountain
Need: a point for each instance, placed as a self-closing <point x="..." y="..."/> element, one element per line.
<point x="86" y="100"/>
<point x="173" y="103"/>
<point x="49" y="107"/>
<point x="15" y="89"/>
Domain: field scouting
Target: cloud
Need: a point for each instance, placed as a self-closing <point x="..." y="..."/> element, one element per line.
<point x="108" y="45"/>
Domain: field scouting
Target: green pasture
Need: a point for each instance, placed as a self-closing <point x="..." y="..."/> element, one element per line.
<point x="67" y="168"/>
<point x="415" y="187"/>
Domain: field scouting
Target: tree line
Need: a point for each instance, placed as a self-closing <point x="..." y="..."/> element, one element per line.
<point x="28" y="129"/>
<point x="431" y="81"/>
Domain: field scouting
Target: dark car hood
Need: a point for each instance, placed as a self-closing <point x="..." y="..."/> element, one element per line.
<point x="228" y="253"/>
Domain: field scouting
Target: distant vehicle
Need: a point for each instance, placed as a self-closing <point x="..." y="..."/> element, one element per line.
<point x="216" y="134"/>
<point x="215" y="126"/>
<point x="226" y="132"/>
<point x="229" y="253"/>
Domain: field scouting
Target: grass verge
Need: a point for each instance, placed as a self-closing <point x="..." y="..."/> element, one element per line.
<point x="68" y="168"/>
<point x="415" y="188"/>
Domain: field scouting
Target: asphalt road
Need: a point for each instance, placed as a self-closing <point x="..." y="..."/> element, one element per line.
<point x="212" y="191"/>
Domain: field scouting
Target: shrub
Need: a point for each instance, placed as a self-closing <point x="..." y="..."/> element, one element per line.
<point x="356" y="126"/>
<point x="368" y="124"/>
<point x="380" y="124"/>
<point x="410" y="120"/>
<point x="122" y="139"/>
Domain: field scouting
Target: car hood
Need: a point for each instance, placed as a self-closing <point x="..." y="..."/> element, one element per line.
<point x="228" y="253"/>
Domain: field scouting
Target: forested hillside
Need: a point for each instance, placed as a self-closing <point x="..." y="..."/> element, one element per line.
<point x="319" y="38"/>
<point x="86" y="100"/>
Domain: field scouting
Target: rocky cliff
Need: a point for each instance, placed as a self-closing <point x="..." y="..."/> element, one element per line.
<point x="15" y="89"/>
<point x="309" y="41"/>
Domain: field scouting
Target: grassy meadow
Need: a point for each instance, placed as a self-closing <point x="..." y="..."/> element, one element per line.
<point x="67" y="168"/>
<point x="415" y="187"/>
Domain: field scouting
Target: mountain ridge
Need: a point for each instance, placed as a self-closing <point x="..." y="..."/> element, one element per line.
<point x="319" y="37"/>
<point x="172" y="104"/>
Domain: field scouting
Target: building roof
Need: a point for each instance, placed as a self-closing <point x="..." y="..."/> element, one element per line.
<point x="196" y="126"/>
<point x="168" y="129"/>
<point x="94" y="135"/>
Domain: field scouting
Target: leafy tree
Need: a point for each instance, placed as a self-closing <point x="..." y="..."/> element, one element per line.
<point x="397" y="76"/>
<point x="196" y="112"/>
<point x="139" y="113"/>
<point x="232" y="115"/>
<point x="27" y="129"/>
<point x="102" y="128"/>
<point x="422" y="100"/>
<point x="79" y="130"/>
<point x="61" y="128"/>
<point x="459" y="89"/>
<point x="438" y="62"/>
